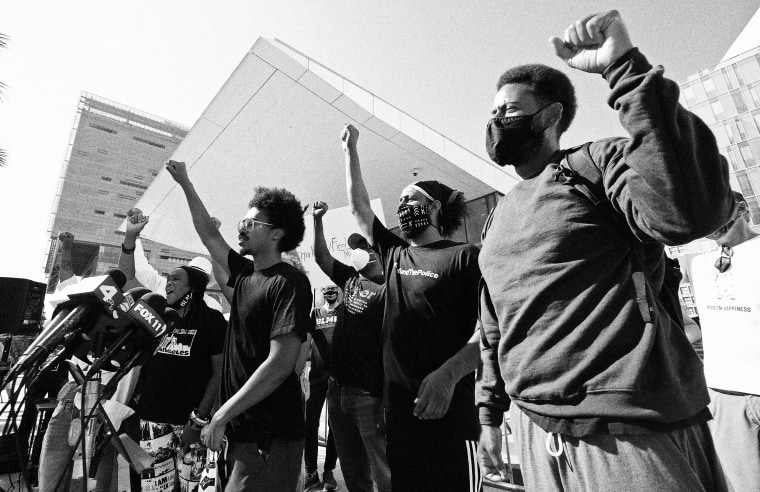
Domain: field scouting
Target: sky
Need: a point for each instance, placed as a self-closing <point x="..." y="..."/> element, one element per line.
<point x="438" y="61"/>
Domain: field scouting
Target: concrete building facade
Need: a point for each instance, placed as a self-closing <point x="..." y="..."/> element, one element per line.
<point x="248" y="136"/>
<point x="114" y="153"/>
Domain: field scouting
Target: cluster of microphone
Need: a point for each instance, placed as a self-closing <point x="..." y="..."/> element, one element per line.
<point x="108" y="329"/>
<point x="97" y="310"/>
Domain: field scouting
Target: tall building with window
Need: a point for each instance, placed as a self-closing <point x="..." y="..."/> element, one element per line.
<point x="113" y="155"/>
<point x="727" y="97"/>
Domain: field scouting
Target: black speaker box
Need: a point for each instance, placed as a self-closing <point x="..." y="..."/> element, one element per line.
<point x="21" y="305"/>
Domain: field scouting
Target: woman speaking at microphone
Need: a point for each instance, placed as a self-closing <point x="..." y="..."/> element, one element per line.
<point x="181" y="381"/>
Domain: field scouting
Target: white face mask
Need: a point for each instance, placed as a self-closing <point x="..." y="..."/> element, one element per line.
<point x="359" y="259"/>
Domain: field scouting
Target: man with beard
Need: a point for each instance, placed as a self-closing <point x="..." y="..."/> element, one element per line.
<point x="607" y="392"/>
<point x="354" y="394"/>
<point x="261" y="410"/>
<point x="325" y="317"/>
<point x="429" y="339"/>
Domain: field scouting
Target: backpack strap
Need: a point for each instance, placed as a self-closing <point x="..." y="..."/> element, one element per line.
<point x="482" y="289"/>
<point x="578" y="169"/>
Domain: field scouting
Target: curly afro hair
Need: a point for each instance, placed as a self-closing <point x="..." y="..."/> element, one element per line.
<point x="284" y="211"/>
<point x="548" y="84"/>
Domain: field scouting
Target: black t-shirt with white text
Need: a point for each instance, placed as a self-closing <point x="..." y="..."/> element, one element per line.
<point x="176" y="376"/>
<point x="266" y="303"/>
<point x="325" y="320"/>
<point x="430" y="314"/>
<point x="356" y="351"/>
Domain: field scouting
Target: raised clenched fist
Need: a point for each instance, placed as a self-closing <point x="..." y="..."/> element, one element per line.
<point x="593" y="43"/>
<point x="319" y="209"/>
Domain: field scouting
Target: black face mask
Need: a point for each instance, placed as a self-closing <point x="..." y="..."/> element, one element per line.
<point x="413" y="219"/>
<point x="182" y="302"/>
<point x="510" y="139"/>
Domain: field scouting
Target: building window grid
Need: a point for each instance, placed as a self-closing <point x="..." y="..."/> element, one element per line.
<point x="754" y="94"/>
<point x="709" y="86"/>
<point x="731" y="96"/>
<point x="746" y="154"/>
<point x="739" y="75"/>
<point x="738" y="99"/>
<point x="740" y="128"/>
<point x="749" y="126"/>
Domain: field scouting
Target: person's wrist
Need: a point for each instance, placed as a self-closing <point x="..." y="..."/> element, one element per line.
<point x="220" y="418"/>
<point x="196" y="421"/>
<point x="126" y="249"/>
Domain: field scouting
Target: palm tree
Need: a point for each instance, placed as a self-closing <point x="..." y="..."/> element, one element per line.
<point x="3" y="44"/>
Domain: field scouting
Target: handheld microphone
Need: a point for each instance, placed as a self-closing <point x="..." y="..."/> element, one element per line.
<point x="145" y="319"/>
<point x="106" y="289"/>
<point x="86" y="301"/>
<point x="145" y="312"/>
<point x="131" y="297"/>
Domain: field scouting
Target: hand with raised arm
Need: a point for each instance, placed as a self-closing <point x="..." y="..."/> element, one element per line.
<point x="136" y="222"/>
<point x="178" y="172"/>
<point x="349" y="137"/>
<point x="321" y="254"/>
<point x="319" y="209"/>
<point x="66" y="268"/>
<point x="358" y="197"/>
<point x="593" y="43"/>
<point x="202" y="220"/>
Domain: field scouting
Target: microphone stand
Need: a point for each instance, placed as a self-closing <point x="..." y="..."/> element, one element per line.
<point x="94" y="410"/>
<point x="11" y="428"/>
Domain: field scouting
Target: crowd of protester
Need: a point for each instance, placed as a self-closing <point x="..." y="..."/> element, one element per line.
<point x="423" y="344"/>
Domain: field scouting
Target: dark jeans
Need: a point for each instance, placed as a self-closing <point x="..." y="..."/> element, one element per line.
<point x="356" y="418"/>
<point x="317" y="394"/>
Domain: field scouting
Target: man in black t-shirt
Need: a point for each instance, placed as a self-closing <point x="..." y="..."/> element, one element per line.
<point x="430" y="346"/>
<point x="354" y="395"/>
<point x="325" y="318"/>
<point x="261" y="410"/>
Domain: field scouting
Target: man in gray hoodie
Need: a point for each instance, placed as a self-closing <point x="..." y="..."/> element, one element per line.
<point x="607" y="392"/>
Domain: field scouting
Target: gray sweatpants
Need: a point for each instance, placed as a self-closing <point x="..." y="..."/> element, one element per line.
<point x="682" y="460"/>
